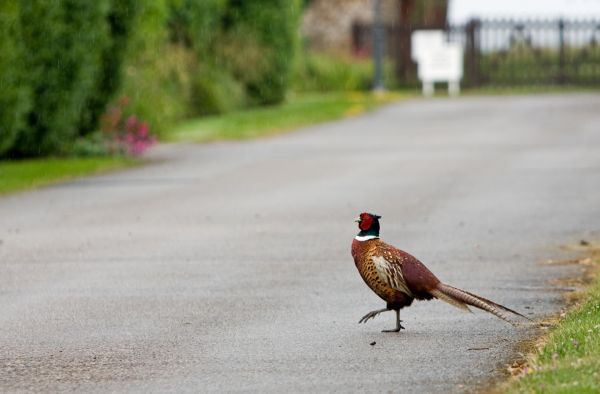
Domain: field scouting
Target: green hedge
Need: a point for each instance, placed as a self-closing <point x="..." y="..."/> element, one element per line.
<point x="14" y="93"/>
<point x="69" y="54"/>
<point x="172" y="58"/>
<point x="60" y="40"/>
<point x="324" y="73"/>
<point x="120" y="17"/>
<point x="273" y="24"/>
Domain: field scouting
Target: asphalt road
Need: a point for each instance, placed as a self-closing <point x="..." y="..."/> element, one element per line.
<point x="227" y="267"/>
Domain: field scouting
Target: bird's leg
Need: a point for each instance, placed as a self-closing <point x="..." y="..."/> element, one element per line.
<point x="372" y="314"/>
<point x="398" y="325"/>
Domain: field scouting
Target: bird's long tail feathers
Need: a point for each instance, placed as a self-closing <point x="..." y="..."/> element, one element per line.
<point x="460" y="298"/>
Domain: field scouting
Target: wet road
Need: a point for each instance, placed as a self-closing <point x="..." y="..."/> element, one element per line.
<point x="227" y="267"/>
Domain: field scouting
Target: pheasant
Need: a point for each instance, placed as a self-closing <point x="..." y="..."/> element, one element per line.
<point x="399" y="278"/>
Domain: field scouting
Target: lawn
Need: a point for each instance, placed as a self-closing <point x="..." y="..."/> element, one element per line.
<point x="28" y="174"/>
<point x="569" y="360"/>
<point x="303" y="110"/>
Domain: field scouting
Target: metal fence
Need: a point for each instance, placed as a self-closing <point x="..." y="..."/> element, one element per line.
<point x="530" y="52"/>
<point x="509" y="52"/>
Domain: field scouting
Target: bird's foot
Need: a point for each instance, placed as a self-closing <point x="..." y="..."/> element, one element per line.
<point x="371" y="315"/>
<point x="397" y="329"/>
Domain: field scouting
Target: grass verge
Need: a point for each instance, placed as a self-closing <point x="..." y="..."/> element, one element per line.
<point x="527" y="90"/>
<point x="28" y="174"/>
<point x="303" y="110"/>
<point x="568" y="360"/>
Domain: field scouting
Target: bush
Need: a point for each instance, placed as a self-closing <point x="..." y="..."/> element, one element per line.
<point x="121" y="134"/>
<point x="158" y="82"/>
<point x="121" y="19"/>
<point x="274" y="25"/>
<point x="14" y="93"/>
<point x="157" y="74"/>
<point x="195" y="24"/>
<point x="70" y="54"/>
<point x="62" y="44"/>
<point x="215" y="92"/>
<point x="321" y="72"/>
<point x="173" y="58"/>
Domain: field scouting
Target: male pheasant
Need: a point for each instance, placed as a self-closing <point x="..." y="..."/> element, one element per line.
<point x="399" y="278"/>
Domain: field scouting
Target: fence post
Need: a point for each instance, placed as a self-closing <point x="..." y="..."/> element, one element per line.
<point x="561" y="52"/>
<point x="472" y="52"/>
<point x="378" y="46"/>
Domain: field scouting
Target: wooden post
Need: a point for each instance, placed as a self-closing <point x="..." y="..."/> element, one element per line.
<point x="562" y="77"/>
<point x="472" y="53"/>
<point x="403" y="61"/>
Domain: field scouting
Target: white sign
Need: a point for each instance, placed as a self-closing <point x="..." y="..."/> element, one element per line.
<point x="423" y="41"/>
<point x="437" y="60"/>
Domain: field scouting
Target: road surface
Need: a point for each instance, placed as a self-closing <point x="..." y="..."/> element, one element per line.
<point x="226" y="267"/>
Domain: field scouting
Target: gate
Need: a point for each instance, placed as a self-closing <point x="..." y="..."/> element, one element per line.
<point x="507" y="52"/>
<point x="530" y="52"/>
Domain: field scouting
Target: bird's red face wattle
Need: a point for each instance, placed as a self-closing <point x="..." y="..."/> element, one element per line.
<point x="365" y="221"/>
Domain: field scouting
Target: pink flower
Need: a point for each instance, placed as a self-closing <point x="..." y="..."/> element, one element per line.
<point x="125" y="135"/>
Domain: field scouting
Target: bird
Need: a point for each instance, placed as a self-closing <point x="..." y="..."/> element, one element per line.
<point x="399" y="278"/>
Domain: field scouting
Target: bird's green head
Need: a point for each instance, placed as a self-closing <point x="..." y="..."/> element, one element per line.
<point x="368" y="224"/>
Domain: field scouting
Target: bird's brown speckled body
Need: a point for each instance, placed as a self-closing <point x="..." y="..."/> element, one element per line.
<point x="399" y="278"/>
<point x="402" y="280"/>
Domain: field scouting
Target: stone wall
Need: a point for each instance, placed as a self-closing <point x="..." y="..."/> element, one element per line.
<point x="327" y="24"/>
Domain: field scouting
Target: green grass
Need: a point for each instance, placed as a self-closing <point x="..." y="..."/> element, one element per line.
<point x="488" y="90"/>
<point x="301" y="111"/>
<point x="569" y="361"/>
<point x="28" y="174"/>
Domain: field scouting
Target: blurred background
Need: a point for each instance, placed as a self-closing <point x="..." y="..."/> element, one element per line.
<point x="110" y="77"/>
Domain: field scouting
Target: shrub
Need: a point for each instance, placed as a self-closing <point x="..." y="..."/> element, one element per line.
<point x="214" y="92"/>
<point x="121" y="18"/>
<point x="14" y="93"/>
<point x="195" y="24"/>
<point x="62" y="43"/>
<point x="321" y="72"/>
<point x="158" y="82"/>
<point x="157" y="74"/>
<point x="273" y="24"/>
<point x="122" y="133"/>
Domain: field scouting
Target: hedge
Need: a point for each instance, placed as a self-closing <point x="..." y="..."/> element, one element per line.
<point x="172" y="58"/>
<point x="68" y="55"/>
<point x="14" y="93"/>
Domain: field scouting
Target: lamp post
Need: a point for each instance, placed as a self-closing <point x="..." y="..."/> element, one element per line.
<point x="378" y="44"/>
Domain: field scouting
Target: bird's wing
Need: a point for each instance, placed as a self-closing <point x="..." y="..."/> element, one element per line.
<point x="412" y="277"/>
<point x="389" y="270"/>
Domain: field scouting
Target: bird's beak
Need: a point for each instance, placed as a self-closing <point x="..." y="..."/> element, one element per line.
<point x="357" y="220"/>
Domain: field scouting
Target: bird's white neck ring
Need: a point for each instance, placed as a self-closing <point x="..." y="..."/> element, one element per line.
<point x="365" y="237"/>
